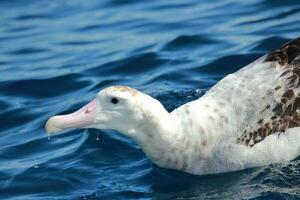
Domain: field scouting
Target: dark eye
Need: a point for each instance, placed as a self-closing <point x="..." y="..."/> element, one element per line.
<point x="114" y="100"/>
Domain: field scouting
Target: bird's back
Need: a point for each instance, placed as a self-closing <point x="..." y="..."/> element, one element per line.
<point x="255" y="112"/>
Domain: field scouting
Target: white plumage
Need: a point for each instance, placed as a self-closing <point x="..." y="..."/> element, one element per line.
<point x="250" y="118"/>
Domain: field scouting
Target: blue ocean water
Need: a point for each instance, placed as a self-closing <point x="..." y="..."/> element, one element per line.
<point x="55" y="55"/>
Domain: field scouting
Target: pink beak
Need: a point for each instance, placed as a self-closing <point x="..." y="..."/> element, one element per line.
<point x="82" y="118"/>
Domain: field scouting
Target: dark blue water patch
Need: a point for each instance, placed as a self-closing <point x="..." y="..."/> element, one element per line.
<point x="143" y="49"/>
<point x="137" y="64"/>
<point x="279" y="16"/>
<point x="28" y="50"/>
<point x="138" y="24"/>
<point x="227" y="64"/>
<point x="174" y="184"/>
<point x="283" y="176"/>
<point x="9" y="4"/>
<point x="98" y="27"/>
<point x="4" y="105"/>
<point x="10" y="117"/>
<point x="3" y="62"/>
<point x="77" y="43"/>
<point x="43" y="88"/>
<point x="31" y="17"/>
<point x="276" y="195"/>
<point x="188" y="41"/>
<point x="167" y="6"/>
<point x="270" y="44"/>
<point x="278" y="3"/>
<point x="121" y="195"/>
<point x="50" y="187"/>
<point x="105" y="83"/>
<point x="121" y="3"/>
<point x="23" y="28"/>
<point x="170" y="76"/>
<point x="22" y="35"/>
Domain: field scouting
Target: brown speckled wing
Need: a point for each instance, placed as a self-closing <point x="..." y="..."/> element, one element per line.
<point x="284" y="113"/>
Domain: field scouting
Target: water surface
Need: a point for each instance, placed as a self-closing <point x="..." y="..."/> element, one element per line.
<point x="55" y="55"/>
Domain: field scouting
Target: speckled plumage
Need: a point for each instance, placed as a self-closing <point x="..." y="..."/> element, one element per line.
<point x="250" y="118"/>
<point x="285" y="109"/>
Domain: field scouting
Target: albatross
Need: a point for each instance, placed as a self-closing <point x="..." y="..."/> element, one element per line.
<point x="250" y="118"/>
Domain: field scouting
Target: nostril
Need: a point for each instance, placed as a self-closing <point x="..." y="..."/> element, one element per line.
<point x="88" y="110"/>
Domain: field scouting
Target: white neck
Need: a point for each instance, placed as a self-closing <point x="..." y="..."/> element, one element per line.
<point x="163" y="136"/>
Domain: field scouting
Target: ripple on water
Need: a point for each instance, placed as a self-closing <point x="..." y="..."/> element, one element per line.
<point x="138" y="64"/>
<point x="189" y="41"/>
<point x="43" y="88"/>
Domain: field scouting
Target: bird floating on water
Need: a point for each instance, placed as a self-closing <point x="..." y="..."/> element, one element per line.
<point x="250" y="118"/>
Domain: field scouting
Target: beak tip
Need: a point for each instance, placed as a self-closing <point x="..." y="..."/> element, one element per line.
<point x="51" y="125"/>
<point x="82" y="118"/>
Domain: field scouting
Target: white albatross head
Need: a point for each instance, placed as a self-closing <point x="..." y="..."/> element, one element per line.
<point x="119" y="108"/>
<point x="138" y="116"/>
